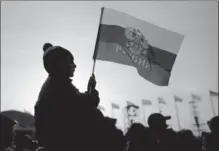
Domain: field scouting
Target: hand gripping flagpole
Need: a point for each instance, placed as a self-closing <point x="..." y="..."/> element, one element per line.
<point x="97" y="40"/>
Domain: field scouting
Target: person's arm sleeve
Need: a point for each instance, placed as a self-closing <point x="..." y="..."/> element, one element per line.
<point x="91" y="98"/>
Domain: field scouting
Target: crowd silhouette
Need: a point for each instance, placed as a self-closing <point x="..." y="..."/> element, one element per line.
<point x="67" y="120"/>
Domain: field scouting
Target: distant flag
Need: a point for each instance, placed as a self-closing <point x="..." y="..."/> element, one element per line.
<point x="101" y="108"/>
<point x="130" y="104"/>
<point x="195" y="97"/>
<point x="161" y="100"/>
<point x="212" y="93"/>
<point x="177" y="99"/>
<point x="115" y="106"/>
<point x="146" y="102"/>
<point x="126" y="40"/>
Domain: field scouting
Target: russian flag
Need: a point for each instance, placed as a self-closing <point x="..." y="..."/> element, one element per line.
<point x="126" y="40"/>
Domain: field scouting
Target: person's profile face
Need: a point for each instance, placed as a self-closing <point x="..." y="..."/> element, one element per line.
<point x="67" y="66"/>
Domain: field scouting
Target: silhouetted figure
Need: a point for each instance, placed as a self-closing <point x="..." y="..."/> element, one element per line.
<point x="6" y="132"/>
<point x="114" y="139"/>
<point x="159" y="137"/>
<point x="188" y="141"/>
<point x="23" y="139"/>
<point x="135" y="138"/>
<point x="212" y="140"/>
<point x="66" y="119"/>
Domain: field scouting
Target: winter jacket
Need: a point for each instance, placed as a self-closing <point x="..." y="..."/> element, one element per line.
<point x="66" y="119"/>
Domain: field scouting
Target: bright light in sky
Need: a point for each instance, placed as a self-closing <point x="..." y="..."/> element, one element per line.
<point x="26" y="26"/>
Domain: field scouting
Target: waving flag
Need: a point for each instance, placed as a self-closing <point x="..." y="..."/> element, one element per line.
<point x="130" y="41"/>
<point x="195" y="97"/>
<point x="115" y="106"/>
<point x="178" y="99"/>
<point x="146" y="102"/>
<point x="212" y="93"/>
<point x="161" y="100"/>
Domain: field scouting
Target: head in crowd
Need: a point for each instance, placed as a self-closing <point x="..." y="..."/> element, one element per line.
<point x="214" y="125"/>
<point x="111" y="121"/>
<point x="135" y="130"/>
<point x="58" y="61"/>
<point x="186" y="134"/>
<point x="6" y="127"/>
<point x="157" y="121"/>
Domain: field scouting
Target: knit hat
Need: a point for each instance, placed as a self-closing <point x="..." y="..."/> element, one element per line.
<point x="52" y="55"/>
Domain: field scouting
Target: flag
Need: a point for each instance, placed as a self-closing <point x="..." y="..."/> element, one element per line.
<point x="130" y="104"/>
<point x="115" y="106"/>
<point x="195" y="97"/>
<point x="126" y="40"/>
<point x="146" y="102"/>
<point x="161" y="100"/>
<point x="212" y="93"/>
<point x="177" y="99"/>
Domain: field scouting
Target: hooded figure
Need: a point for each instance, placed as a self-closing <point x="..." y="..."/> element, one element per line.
<point x="65" y="119"/>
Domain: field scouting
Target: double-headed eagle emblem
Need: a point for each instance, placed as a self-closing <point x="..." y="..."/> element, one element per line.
<point x="137" y="45"/>
<point x="136" y="42"/>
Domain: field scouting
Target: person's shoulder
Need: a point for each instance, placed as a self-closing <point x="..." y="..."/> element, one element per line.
<point x="170" y="130"/>
<point x="171" y="133"/>
<point x="46" y="91"/>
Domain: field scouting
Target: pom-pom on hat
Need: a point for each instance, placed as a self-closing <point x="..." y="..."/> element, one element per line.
<point x="52" y="55"/>
<point x="46" y="46"/>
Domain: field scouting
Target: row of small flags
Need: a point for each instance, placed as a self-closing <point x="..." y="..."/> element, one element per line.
<point x="148" y="102"/>
<point x="160" y="101"/>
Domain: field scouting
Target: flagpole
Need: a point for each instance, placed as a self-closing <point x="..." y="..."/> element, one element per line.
<point x="94" y="63"/>
<point x="177" y="115"/>
<point x="159" y="107"/>
<point x="97" y="39"/>
<point x="193" y="102"/>
<point x="143" y="114"/>
<point x="112" y="115"/>
<point x="212" y="105"/>
<point x="124" y="120"/>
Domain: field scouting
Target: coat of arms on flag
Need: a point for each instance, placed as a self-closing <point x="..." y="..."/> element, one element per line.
<point x="136" y="46"/>
<point x="127" y="40"/>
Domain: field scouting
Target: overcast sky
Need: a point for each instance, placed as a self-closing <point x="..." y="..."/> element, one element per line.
<point x="26" y="26"/>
